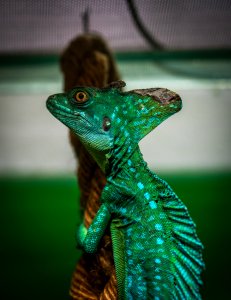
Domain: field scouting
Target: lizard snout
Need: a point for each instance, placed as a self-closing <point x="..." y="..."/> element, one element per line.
<point x="53" y="97"/>
<point x="53" y="100"/>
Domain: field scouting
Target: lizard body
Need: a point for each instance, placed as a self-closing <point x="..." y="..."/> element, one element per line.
<point x="155" y="247"/>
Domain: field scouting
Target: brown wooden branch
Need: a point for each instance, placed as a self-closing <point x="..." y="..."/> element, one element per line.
<point x="87" y="61"/>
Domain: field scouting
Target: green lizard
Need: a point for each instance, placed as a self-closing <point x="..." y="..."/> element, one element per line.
<point x="155" y="247"/>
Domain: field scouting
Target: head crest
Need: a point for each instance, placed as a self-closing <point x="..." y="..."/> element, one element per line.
<point x="149" y="108"/>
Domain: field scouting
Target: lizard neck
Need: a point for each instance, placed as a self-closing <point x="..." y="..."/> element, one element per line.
<point x="125" y="157"/>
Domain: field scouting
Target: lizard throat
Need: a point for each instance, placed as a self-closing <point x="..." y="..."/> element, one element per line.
<point x="125" y="156"/>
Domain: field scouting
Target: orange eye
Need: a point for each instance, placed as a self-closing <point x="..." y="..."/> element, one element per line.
<point x="81" y="97"/>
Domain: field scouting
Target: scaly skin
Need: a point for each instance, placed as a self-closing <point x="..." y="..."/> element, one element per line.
<point x="155" y="247"/>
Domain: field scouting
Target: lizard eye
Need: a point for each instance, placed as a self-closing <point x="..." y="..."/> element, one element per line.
<point x="81" y="97"/>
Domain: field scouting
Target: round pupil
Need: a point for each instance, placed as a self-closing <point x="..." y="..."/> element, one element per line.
<point x="81" y="96"/>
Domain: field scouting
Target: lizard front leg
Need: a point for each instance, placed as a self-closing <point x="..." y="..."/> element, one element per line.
<point x="89" y="238"/>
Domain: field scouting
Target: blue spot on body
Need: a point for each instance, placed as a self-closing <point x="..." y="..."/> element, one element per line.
<point x="152" y="204"/>
<point x="158" y="227"/>
<point x="130" y="261"/>
<point x="162" y="215"/>
<point x="147" y="196"/>
<point x="129" y="231"/>
<point x="129" y="278"/>
<point x="140" y="185"/>
<point x="124" y="210"/>
<point x="159" y="241"/>
<point x="129" y="162"/>
<point x="143" y="235"/>
<point x="157" y="261"/>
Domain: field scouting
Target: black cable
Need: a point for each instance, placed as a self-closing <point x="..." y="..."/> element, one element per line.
<point x="86" y="20"/>
<point x="137" y="20"/>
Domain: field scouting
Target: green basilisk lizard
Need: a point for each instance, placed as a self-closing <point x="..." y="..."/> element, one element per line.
<point x="155" y="246"/>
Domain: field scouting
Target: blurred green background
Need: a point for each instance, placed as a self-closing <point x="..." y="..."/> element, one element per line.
<point x="39" y="217"/>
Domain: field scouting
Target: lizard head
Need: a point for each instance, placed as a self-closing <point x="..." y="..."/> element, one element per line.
<point x="107" y="118"/>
